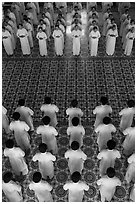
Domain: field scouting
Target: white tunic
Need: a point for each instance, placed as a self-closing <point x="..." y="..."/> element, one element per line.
<point x="75" y="160"/>
<point x="21" y="135"/>
<point x="12" y="191"/>
<point x="41" y="36"/>
<point x="42" y="191"/>
<point x="111" y="41"/>
<point x="107" y="187"/>
<point x="58" y="42"/>
<point x="107" y="158"/>
<point x="129" y="142"/>
<point x="74" y="112"/>
<point x="130" y="174"/>
<point x="23" y="36"/>
<point x="6" y="38"/>
<point x="5" y="120"/>
<point x="33" y="11"/>
<point x="76" y="134"/>
<point x="48" y="137"/>
<point x="76" y="191"/>
<point x="29" y="28"/>
<point x="16" y="157"/>
<point x="76" y="35"/>
<point x="127" y="118"/>
<point x="25" y="115"/>
<point x="46" y="166"/>
<point x="129" y="43"/>
<point x="94" y="37"/>
<point x="101" y="112"/>
<point x="104" y="134"/>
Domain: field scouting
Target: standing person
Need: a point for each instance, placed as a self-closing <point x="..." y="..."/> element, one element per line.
<point x="105" y="17"/>
<point x="5" y="120"/>
<point x="22" y="34"/>
<point x="76" y="158"/>
<point x="104" y="132"/>
<point x="45" y="160"/>
<point x="112" y="34"/>
<point x="16" y="157"/>
<point x="50" y="110"/>
<point x="122" y="19"/>
<point x="76" y="35"/>
<point x="29" y="29"/>
<point x="130" y="174"/>
<point x="76" y="188"/>
<point x="107" y="185"/>
<point x="58" y="40"/>
<point x="11" y="31"/>
<point x="94" y="37"/>
<point x="129" y="42"/>
<point x="33" y="9"/>
<point x="102" y="111"/>
<point x="7" y="43"/>
<point x="25" y="113"/>
<point x="11" y="190"/>
<point x="132" y="193"/>
<point x="41" y="188"/>
<point x="42" y="37"/>
<point x="49" y="134"/>
<point x="127" y="115"/>
<point x="129" y="26"/>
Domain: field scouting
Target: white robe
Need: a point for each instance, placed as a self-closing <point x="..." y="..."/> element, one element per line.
<point x="74" y="112"/>
<point x="41" y="36"/>
<point x="107" y="187"/>
<point x="46" y="166"/>
<point x="16" y="157"/>
<point x="23" y="36"/>
<point x="5" y="120"/>
<point x="42" y="191"/>
<point x="76" y="35"/>
<point x="21" y="135"/>
<point x="101" y="112"/>
<point x="75" y="160"/>
<point x="132" y="193"/>
<point x="58" y="42"/>
<point x="94" y="37"/>
<point x="122" y="19"/>
<point x="29" y="28"/>
<point x="48" y="137"/>
<point x="104" y="134"/>
<point x="6" y="38"/>
<point x="111" y="41"/>
<point x="76" y="191"/>
<point x="129" y="43"/>
<point x="33" y="11"/>
<point x="129" y="142"/>
<point x="10" y="29"/>
<point x="12" y="191"/>
<point x="26" y="116"/>
<point x="130" y="174"/>
<point x="107" y="158"/>
<point x="127" y="118"/>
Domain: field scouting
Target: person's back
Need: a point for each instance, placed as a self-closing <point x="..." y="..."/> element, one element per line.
<point x="130" y="174"/>
<point x="129" y="142"/>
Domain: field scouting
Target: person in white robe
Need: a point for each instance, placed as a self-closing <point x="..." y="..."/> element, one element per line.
<point x="33" y="10"/>
<point x="130" y="174"/>
<point x="104" y="133"/>
<point x="76" y="131"/>
<point x="108" y="157"/>
<point x="127" y="115"/>
<point x="29" y="29"/>
<point x="107" y="185"/>
<point x="58" y="40"/>
<point x="5" y="120"/>
<point x="50" y="110"/>
<point x="129" y="42"/>
<point x="75" y="188"/>
<point x="41" y="25"/>
<point x="94" y="37"/>
<point x="122" y="6"/>
<point x="22" y="34"/>
<point x="37" y="7"/>
<point x="129" y="26"/>
<point x="48" y="134"/>
<point x="25" y="114"/>
<point x="62" y="28"/>
<point x="16" y="158"/>
<point x="78" y="4"/>
<point x="126" y="26"/>
<point x="105" y="17"/>
<point x="93" y="10"/>
<point x="12" y="16"/>
<point x="48" y="26"/>
<point x="102" y="111"/>
<point x="112" y="34"/>
<point x="21" y="135"/>
<point x="16" y="10"/>
<point x="11" y="31"/>
<point x="42" y="37"/>
<point x="132" y="193"/>
<point x="76" y="158"/>
<point x="41" y="188"/>
<point x="122" y="19"/>
<point x="11" y="190"/>
<point x="30" y="18"/>
<point x="129" y="142"/>
<point x="45" y="161"/>
<point x="76" y="35"/>
<point x="7" y="41"/>
<point x="90" y="5"/>
<point x="106" y="5"/>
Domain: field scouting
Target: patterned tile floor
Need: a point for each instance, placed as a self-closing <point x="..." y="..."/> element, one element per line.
<point x="64" y="78"/>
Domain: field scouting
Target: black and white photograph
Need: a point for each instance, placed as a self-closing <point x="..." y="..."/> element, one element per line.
<point x="68" y="101"/>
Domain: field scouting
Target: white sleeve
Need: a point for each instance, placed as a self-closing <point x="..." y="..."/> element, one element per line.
<point x="69" y="131"/>
<point x="99" y="182"/>
<point x="4" y="110"/>
<point x="11" y="126"/>
<point x="85" y="187"/>
<point x="38" y="131"/>
<point x="118" y="154"/>
<point x="95" y="111"/>
<point x="66" y="186"/>
<point x="83" y="130"/>
<point x="30" y="111"/>
<point x="84" y="156"/>
<point x="26" y="127"/>
<point x="121" y="112"/>
<point x="53" y="158"/>
<point x="35" y="158"/>
<point x="55" y="131"/>
<point x="99" y="156"/>
<point x="56" y="109"/>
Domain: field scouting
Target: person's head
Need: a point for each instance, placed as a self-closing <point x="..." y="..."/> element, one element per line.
<point x="3" y="28"/>
<point x="114" y="27"/>
<point x="132" y="30"/>
<point x="132" y="22"/>
<point x="131" y="103"/>
<point x="47" y="100"/>
<point x="16" y="116"/>
<point x="74" y="103"/>
<point x="37" y="177"/>
<point x="108" y="10"/>
<point x="21" y="102"/>
<point x="75" y="121"/>
<point x="42" y="147"/>
<point x="128" y="17"/>
<point x="57" y="26"/>
<point x="104" y="100"/>
<point x="7" y="177"/>
<point x="76" y="7"/>
<point x="74" y="145"/>
<point x="111" y="144"/>
<point x="95" y="28"/>
<point x="110" y="172"/>
<point x="126" y="11"/>
<point x="9" y="143"/>
<point x="41" y="22"/>
<point x="93" y="8"/>
<point x="106" y="120"/>
<point x="43" y="15"/>
<point x="94" y="22"/>
<point x="76" y="177"/>
<point x="94" y="15"/>
<point x="46" y="120"/>
<point x="40" y="29"/>
<point x="110" y="16"/>
<point x="112" y="21"/>
<point x="20" y="26"/>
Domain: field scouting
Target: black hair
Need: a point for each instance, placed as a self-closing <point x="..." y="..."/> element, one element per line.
<point x="74" y="103"/>
<point x="95" y="27"/>
<point x="16" y="115"/>
<point x="126" y="10"/>
<point x="46" y="120"/>
<point x="9" y="143"/>
<point x="111" y="144"/>
<point x="42" y="147"/>
<point x="110" y="172"/>
<point x="21" y="102"/>
<point x="76" y="176"/>
<point x="47" y="100"/>
<point x="37" y="177"/>
<point x="7" y="177"/>
<point x="106" y="120"/>
<point x="104" y="100"/>
<point x="132" y="21"/>
<point x="131" y="103"/>
<point x="74" y="145"/>
<point x="75" y="121"/>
